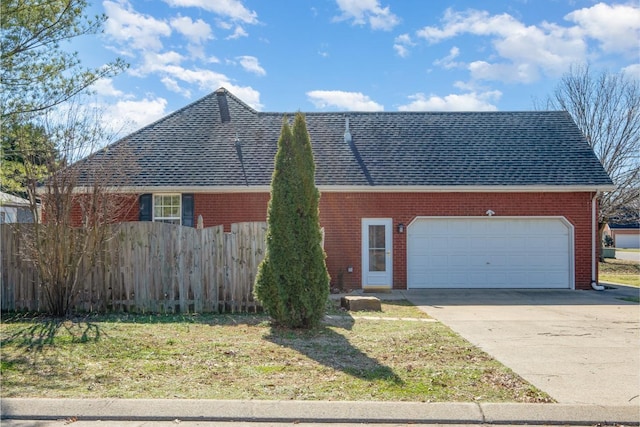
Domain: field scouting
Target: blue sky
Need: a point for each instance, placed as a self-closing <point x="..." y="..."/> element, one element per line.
<point x="352" y="55"/>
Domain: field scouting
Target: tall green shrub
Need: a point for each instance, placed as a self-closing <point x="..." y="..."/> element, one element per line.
<point x="292" y="283"/>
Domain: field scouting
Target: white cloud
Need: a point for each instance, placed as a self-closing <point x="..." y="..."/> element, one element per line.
<point x="104" y="87"/>
<point x="616" y="27"/>
<point x="205" y="79"/>
<point x="251" y="64"/>
<point x="370" y="12"/>
<point x="174" y="77"/>
<point x="507" y="72"/>
<point x="247" y="94"/>
<point x="153" y="62"/>
<point x="237" y="33"/>
<point x="136" y="113"/>
<point x="401" y="50"/>
<point x="232" y="9"/>
<point x="632" y="71"/>
<point x="324" y="50"/>
<point x="173" y="85"/>
<point x="464" y="102"/>
<point x="350" y="101"/>
<point x="528" y="50"/>
<point x="448" y="61"/>
<point x="195" y="31"/>
<point x="209" y="81"/>
<point x="401" y="45"/>
<point x="133" y="29"/>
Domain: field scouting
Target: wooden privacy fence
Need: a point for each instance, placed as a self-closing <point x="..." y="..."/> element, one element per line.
<point x="149" y="267"/>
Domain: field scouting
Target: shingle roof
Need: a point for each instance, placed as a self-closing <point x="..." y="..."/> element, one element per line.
<point x="196" y="146"/>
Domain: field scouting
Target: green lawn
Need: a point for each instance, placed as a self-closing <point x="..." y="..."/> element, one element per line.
<point x="620" y="271"/>
<point x="243" y="357"/>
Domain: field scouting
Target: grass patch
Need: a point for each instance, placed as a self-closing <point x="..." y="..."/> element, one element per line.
<point x="620" y="271"/>
<point x="630" y="299"/>
<point x="395" y="309"/>
<point x="243" y="357"/>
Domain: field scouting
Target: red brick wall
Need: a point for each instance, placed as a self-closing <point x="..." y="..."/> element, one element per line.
<point x="341" y="213"/>
<point x="227" y="208"/>
<point x="120" y="208"/>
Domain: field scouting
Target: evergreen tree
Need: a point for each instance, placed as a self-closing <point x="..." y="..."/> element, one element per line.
<point x="292" y="282"/>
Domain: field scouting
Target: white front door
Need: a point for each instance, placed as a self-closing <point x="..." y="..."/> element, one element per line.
<point x="377" y="261"/>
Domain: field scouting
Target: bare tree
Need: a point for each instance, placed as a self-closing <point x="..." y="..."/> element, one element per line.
<point x="73" y="206"/>
<point x="606" y="108"/>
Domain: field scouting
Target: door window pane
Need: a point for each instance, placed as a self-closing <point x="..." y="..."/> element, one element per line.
<point x="377" y="248"/>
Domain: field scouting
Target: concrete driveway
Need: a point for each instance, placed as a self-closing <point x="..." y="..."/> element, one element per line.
<point x="578" y="346"/>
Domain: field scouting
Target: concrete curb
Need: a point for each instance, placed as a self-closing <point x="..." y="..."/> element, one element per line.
<point x="316" y="411"/>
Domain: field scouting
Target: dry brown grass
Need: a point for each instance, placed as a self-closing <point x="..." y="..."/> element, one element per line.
<point x="243" y="357"/>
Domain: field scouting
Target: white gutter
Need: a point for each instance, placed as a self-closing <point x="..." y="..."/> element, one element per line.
<point x="594" y="238"/>
<point x="364" y="189"/>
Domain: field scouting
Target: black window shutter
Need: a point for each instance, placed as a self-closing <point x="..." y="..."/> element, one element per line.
<point x="145" y="203"/>
<point x="187" y="210"/>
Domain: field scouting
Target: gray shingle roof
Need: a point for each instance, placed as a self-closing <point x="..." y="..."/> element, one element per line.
<point x="196" y="147"/>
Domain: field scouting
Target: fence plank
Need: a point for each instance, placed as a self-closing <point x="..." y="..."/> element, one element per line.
<point x="147" y="267"/>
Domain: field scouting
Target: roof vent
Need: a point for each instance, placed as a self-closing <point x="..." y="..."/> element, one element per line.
<point x="347" y="133"/>
<point x="223" y="106"/>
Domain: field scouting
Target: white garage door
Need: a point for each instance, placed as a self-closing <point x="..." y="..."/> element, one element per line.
<point x="489" y="252"/>
<point x="627" y="241"/>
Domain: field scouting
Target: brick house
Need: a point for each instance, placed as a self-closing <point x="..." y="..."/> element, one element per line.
<point x="408" y="199"/>
<point x="625" y="234"/>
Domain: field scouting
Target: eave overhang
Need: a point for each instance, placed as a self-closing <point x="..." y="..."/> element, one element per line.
<point x="367" y="189"/>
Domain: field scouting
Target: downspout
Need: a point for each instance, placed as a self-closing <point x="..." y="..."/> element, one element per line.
<point x="594" y="237"/>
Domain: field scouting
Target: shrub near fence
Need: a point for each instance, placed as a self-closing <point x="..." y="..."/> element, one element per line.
<point x="149" y="267"/>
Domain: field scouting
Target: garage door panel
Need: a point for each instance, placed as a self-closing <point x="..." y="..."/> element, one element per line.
<point x="535" y="262"/>
<point x="436" y="261"/>
<point x="557" y="228"/>
<point x="538" y="243"/>
<point x="498" y="278"/>
<point x="455" y="227"/>
<point x="489" y="253"/>
<point x="453" y="244"/>
<point x="556" y="279"/>
<point x="456" y="279"/>
<point x="475" y="243"/>
<point x="629" y="241"/>
<point x="515" y="244"/>
<point x="554" y="262"/>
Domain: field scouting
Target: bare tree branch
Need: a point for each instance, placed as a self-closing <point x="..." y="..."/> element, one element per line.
<point x="606" y="108"/>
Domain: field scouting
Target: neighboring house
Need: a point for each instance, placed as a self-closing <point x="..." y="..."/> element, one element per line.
<point x="14" y="209"/>
<point x="408" y="199"/>
<point x="626" y="235"/>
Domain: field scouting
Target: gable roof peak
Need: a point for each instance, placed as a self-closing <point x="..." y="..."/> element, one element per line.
<point x="224" y="92"/>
